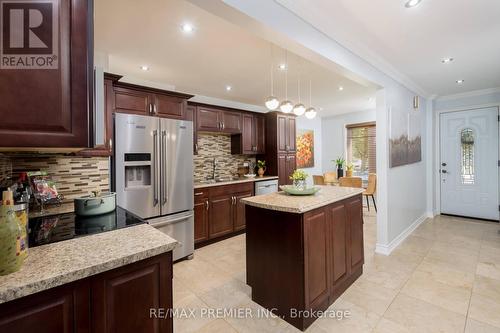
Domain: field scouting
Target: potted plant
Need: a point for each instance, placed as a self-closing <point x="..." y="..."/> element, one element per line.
<point x="349" y="170"/>
<point x="261" y="167"/>
<point x="299" y="179"/>
<point x="339" y="162"/>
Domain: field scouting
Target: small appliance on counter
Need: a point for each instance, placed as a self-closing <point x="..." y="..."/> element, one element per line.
<point x="59" y="227"/>
<point x="96" y="204"/>
<point x="153" y="174"/>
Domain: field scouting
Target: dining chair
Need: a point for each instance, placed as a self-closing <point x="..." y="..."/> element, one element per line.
<point x="330" y="177"/>
<point x="371" y="189"/>
<point x="351" y="182"/>
<point x="318" y="180"/>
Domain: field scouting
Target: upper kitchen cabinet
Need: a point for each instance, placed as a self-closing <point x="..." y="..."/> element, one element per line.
<point x="280" y="153"/>
<point x="252" y="138"/>
<point x="214" y="119"/>
<point x="46" y="79"/>
<point x="145" y="101"/>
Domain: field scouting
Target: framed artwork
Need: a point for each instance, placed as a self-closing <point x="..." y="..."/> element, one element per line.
<point x="405" y="140"/>
<point x="305" y="148"/>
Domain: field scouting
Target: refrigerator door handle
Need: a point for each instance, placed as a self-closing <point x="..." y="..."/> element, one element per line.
<point x="155" y="188"/>
<point x="164" y="167"/>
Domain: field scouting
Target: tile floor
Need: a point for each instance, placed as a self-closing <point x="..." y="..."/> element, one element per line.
<point x="445" y="277"/>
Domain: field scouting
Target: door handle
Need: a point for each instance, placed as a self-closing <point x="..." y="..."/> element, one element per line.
<point x="164" y="165"/>
<point x="150" y="108"/>
<point x="155" y="146"/>
<point x="443" y="164"/>
<point x="155" y="111"/>
<point x="207" y="205"/>
<point x="444" y="171"/>
<point x="222" y="125"/>
<point x="199" y="193"/>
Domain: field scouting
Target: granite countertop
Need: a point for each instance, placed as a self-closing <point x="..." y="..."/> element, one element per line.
<point x="55" y="264"/>
<point x="237" y="181"/>
<point x="281" y="201"/>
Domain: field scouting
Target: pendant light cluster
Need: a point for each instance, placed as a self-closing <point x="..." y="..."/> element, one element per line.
<point x="272" y="103"/>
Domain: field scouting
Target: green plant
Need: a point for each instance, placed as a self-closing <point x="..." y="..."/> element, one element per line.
<point x="299" y="175"/>
<point x="261" y="164"/>
<point x="339" y="162"/>
<point x="350" y="167"/>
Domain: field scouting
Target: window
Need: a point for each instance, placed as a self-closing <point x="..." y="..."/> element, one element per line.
<point x="361" y="148"/>
<point x="467" y="156"/>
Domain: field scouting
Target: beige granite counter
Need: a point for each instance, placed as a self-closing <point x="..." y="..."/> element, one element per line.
<point x="281" y="201"/>
<point x="55" y="264"/>
<point x="238" y="181"/>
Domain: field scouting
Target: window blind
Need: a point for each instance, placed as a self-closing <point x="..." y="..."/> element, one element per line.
<point x="361" y="148"/>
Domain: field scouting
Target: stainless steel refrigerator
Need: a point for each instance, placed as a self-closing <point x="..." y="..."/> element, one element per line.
<point x="153" y="174"/>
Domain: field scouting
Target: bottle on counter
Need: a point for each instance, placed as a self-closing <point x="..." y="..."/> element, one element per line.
<point x="13" y="241"/>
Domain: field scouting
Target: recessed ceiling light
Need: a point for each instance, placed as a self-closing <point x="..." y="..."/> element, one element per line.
<point x="341" y="88"/>
<point x="145" y="68"/>
<point x="446" y="60"/>
<point x="282" y="67"/>
<point x="187" y="27"/>
<point x="412" y="3"/>
<point x="461" y="81"/>
<point x="228" y="88"/>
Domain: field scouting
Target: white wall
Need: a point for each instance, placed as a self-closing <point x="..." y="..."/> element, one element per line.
<point x="334" y="132"/>
<point x="315" y="125"/>
<point x="402" y="190"/>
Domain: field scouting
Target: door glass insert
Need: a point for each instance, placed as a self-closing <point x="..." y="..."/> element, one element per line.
<point x="467" y="156"/>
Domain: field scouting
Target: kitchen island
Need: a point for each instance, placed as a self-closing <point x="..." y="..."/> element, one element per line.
<point x="303" y="252"/>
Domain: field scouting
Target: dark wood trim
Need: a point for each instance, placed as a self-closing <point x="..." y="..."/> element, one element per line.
<point x="151" y="90"/>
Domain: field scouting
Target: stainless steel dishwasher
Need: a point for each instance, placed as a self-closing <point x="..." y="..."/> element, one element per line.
<point x="266" y="186"/>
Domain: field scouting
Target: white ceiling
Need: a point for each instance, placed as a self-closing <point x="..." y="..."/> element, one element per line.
<point x="132" y="33"/>
<point x="413" y="41"/>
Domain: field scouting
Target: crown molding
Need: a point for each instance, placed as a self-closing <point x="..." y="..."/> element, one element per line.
<point x="471" y="93"/>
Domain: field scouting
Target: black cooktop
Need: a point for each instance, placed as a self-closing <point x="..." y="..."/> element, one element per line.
<point x="56" y="228"/>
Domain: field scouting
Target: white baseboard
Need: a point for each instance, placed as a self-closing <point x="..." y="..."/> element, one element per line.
<point x="387" y="249"/>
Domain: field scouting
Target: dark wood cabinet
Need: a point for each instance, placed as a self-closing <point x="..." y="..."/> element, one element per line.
<point x="214" y="119"/>
<point x="201" y="208"/>
<point x="122" y="298"/>
<point x="252" y="138"/>
<point x="280" y="147"/>
<point x="221" y="215"/>
<point x="115" y="301"/>
<point x="208" y="119"/>
<point x="191" y="115"/>
<point x="303" y="261"/>
<point x="169" y="106"/>
<point x="133" y="101"/>
<point x="51" y="107"/>
<point x="219" y="210"/>
<point x="239" y="210"/>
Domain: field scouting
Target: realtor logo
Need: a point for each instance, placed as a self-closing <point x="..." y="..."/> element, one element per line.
<point x="29" y="37"/>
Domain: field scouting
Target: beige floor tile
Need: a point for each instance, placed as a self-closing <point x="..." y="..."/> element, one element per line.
<point x="388" y="326"/>
<point x="487" y="287"/>
<point x="489" y="263"/>
<point x="359" y="319"/>
<point x="485" y="309"/>
<point x="415" y="245"/>
<point x="217" y="326"/>
<point x="419" y="316"/>
<point x="465" y="263"/>
<point x="447" y="274"/>
<point x="199" y="275"/>
<point x="227" y="295"/>
<point x="190" y="323"/>
<point x="370" y="296"/>
<point x="180" y="291"/>
<point x="474" y="326"/>
<point x="422" y="286"/>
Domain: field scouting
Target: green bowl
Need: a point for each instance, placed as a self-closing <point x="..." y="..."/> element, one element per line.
<point x="292" y="190"/>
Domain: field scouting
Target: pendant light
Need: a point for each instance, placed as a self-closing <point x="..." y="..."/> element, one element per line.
<point x="310" y="112"/>
<point x="286" y="106"/>
<point x="272" y="102"/>
<point x="299" y="108"/>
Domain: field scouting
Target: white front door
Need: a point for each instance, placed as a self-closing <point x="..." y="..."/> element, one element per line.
<point x="469" y="163"/>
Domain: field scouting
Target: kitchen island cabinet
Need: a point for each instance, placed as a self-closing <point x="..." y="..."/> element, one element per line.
<point x="302" y="253"/>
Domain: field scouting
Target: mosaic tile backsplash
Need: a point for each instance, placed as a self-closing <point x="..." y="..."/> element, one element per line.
<point x="74" y="176"/>
<point x="217" y="146"/>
